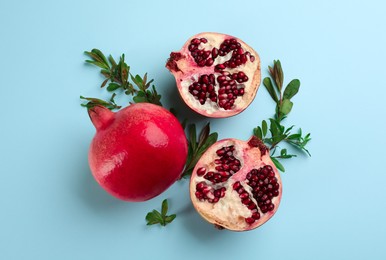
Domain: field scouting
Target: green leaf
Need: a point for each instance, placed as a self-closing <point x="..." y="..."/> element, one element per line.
<point x="279" y="76"/>
<point x="292" y="89"/>
<point x="97" y="63"/>
<point x="264" y="127"/>
<point x="286" y="106"/>
<point x="273" y="128"/>
<point x="112" y="61"/>
<point x="113" y="86"/>
<point x="212" y="138"/>
<point x="294" y="136"/>
<point x="268" y="85"/>
<point x="104" y="83"/>
<point x="289" y="129"/>
<point x="203" y="135"/>
<point x="170" y="218"/>
<point x="278" y="165"/>
<point x="100" y="55"/>
<point x="154" y="217"/>
<point x="164" y="207"/>
<point x="193" y="137"/>
<point x="258" y="132"/>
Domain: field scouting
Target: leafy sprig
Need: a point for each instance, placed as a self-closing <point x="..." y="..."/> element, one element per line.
<point x="118" y="76"/>
<point x="197" y="146"/>
<point x="273" y="132"/>
<point x="110" y="104"/>
<point x="156" y="217"/>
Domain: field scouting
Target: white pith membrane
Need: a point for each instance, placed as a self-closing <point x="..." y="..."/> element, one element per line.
<point x="187" y="72"/>
<point x="229" y="212"/>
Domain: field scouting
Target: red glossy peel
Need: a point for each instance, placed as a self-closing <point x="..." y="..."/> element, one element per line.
<point x="137" y="152"/>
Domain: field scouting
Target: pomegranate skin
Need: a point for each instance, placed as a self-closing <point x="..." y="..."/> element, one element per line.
<point x="137" y="152"/>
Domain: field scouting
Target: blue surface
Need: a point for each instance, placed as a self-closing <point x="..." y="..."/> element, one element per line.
<point x="333" y="205"/>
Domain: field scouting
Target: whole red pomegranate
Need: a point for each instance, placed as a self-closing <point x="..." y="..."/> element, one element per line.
<point x="217" y="75"/>
<point x="235" y="185"/>
<point x="137" y="152"/>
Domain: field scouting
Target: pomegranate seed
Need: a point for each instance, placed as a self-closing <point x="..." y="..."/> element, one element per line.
<point x="209" y="62"/>
<point x="236" y="185"/>
<point x="252" y="206"/>
<point x="246" y="201"/>
<point x="201" y="63"/>
<point x="195" y="41"/>
<point x="219" y="168"/>
<point x="222" y="192"/>
<point x="214" y="53"/>
<point x="220" y="152"/>
<point x="200" y="185"/>
<point x="249" y="220"/>
<point x="255" y="215"/>
<point x="201" y="171"/>
<point x="240" y="190"/>
<point x="252" y="58"/>
<point x="203" y="40"/>
<point x="244" y="195"/>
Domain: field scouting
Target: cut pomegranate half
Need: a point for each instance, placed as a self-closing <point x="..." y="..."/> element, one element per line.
<point x="217" y="75"/>
<point x="235" y="185"/>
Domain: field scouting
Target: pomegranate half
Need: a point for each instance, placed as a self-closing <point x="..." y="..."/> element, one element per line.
<point x="217" y="75"/>
<point x="235" y="185"/>
<point x="137" y="152"/>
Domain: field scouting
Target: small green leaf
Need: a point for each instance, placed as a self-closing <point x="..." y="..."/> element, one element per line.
<point x="264" y="127"/>
<point x="279" y="76"/>
<point x="291" y="89"/>
<point x="212" y="138"/>
<point x="97" y="63"/>
<point x="104" y="83"/>
<point x="112" y="61"/>
<point x="203" y="135"/>
<point x="154" y="217"/>
<point x="286" y="106"/>
<point x="193" y="137"/>
<point x="170" y="218"/>
<point x="258" y="132"/>
<point x="113" y="86"/>
<point x="164" y="207"/>
<point x="268" y="85"/>
<point x="278" y="165"/>
<point x="101" y="56"/>
<point x="293" y="136"/>
<point x="273" y="128"/>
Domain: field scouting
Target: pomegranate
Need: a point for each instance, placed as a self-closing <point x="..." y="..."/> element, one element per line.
<point x="235" y="185"/>
<point x="137" y="152"/>
<point x="217" y="75"/>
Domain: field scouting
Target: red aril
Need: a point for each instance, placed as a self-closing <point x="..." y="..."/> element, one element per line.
<point x="235" y="185"/>
<point x="217" y="75"/>
<point x="137" y="152"/>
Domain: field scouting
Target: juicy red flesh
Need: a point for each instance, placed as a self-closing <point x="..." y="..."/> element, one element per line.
<point x="230" y="86"/>
<point x="263" y="184"/>
<point x="226" y="166"/>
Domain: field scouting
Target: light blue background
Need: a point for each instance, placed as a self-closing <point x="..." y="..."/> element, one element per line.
<point x="333" y="205"/>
